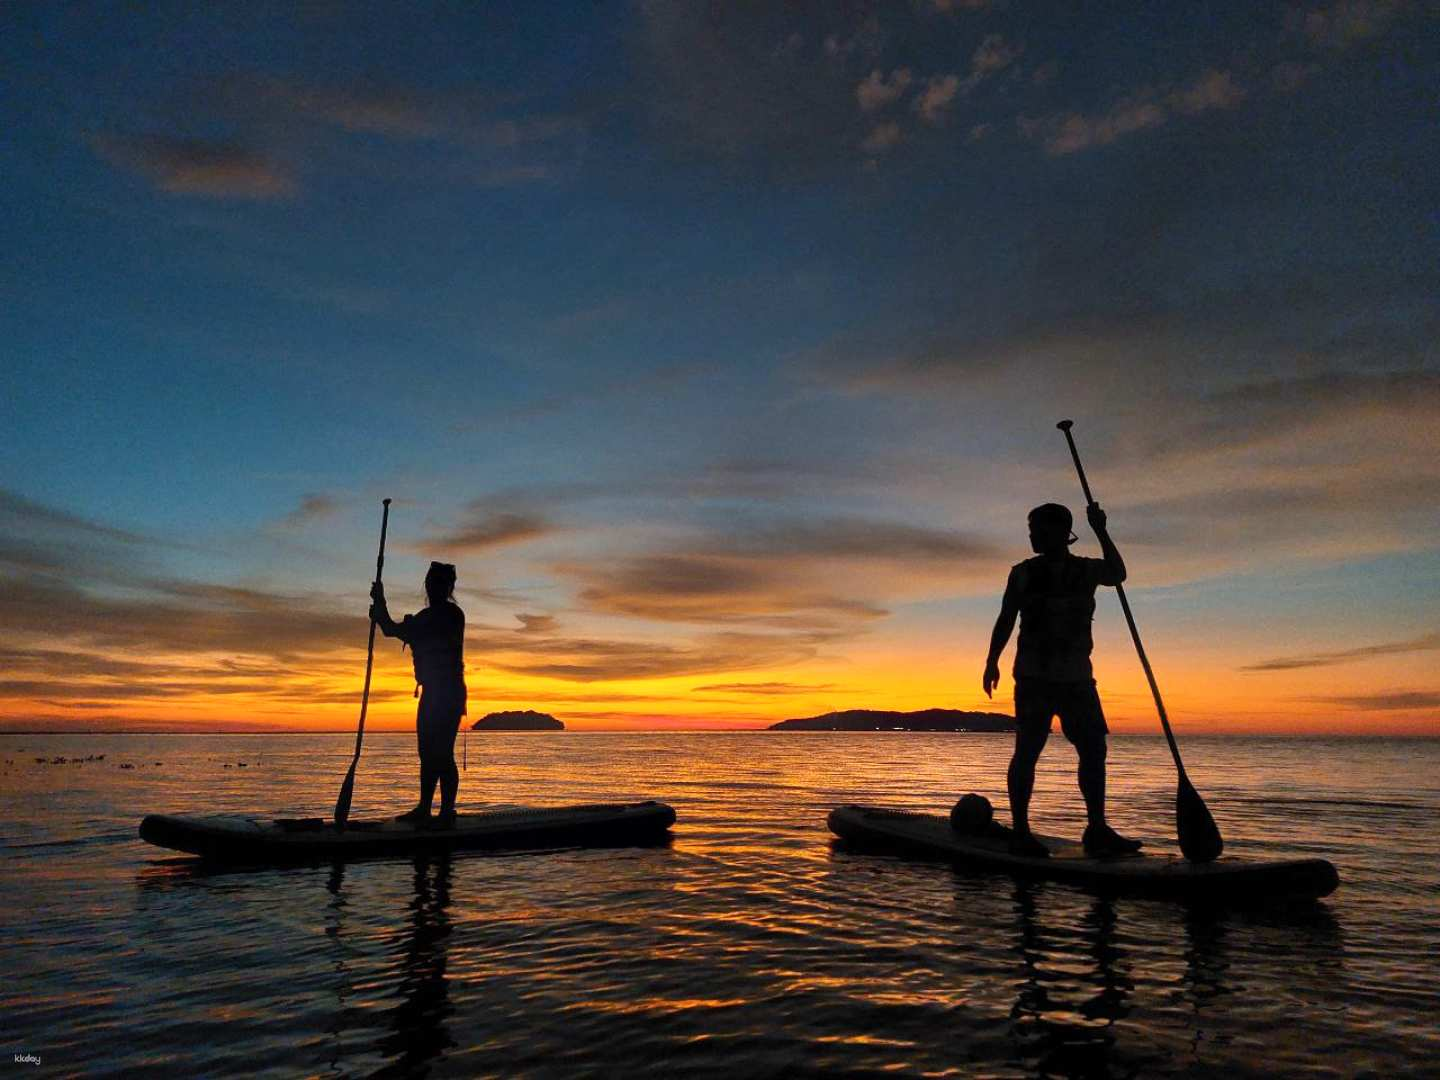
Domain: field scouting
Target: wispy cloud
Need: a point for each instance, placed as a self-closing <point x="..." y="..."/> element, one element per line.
<point x="392" y="111"/>
<point x="831" y="575"/>
<point x="994" y="54"/>
<point x="948" y="6"/>
<point x="1343" y="23"/>
<point x="1212" y="90"/>
<point x="1424" y="643"/>
<point x="881" y="137"/>
<point x="198" y="167"/>
<point x="1396" y="700"/>
<point x="769" y="689"/>
<point x="877" y="90"/>
<point x="313" y="507"/>
<point x="934" y="102"/>
<point x="707" y="588"/>
<point x="484" y="530"/>
<point x="595" y="660"/>
<point x="18" y="511"/>
<point x="1071" y="132"/>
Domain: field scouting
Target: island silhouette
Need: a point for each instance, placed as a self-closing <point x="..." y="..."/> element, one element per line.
<point x="890" y="720"/>
<point x="517" y="720"/>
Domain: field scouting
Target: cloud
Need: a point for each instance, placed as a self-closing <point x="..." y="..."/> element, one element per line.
<point x="875" y="92"/>
<point x="881" y="138"/>
<point x="781" y="574"/>
<point x="1396" y="700"/>
<point x="708" y="588"/>
<point x="486" y="530"/>
<point x="717" y="89"/>
<point x="1424" y="643"/>
<point x="992" y="55"/>
<point x="769" y="688"/>
<point x="1212" y="90"/>
<point x="313" y="507"/>
<point x="536" y="624"/>
<point x="1072" y="132"/>
<point x="594" y="660"/>
<point x="935" y="100"/>
<point x="1069" y="133"/>
<point x="1271" y="408"/>
<point x="1344" y="23"/>
<point x="17" y="510"/>
<point x="861" y="538"/>
<point x="186" y="166"/>
<point x="1290" y="75"/>
<point x="362" y="108"/>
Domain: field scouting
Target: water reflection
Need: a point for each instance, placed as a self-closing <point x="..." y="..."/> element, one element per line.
<point x="416" y="1024"/>
<point x="1076" y="982"/>
<point x="344" y="980"/>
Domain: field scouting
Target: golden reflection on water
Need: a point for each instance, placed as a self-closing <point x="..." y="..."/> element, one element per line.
<point x="753" y="942"/>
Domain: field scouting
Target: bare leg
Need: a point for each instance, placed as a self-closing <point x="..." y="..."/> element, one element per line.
<point x="1091" y="775"/>
<point x="449" y="785"/>
<point x="428" y="776"/>
<point x="1020" y="779"/>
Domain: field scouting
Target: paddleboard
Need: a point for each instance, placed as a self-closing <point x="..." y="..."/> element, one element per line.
<point x="1229" y="878"/>
<point x="232" y="838"/>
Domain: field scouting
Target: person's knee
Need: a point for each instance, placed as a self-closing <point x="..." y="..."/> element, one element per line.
<point x="1027" y="750"/>
<point x="1092" y="752"/>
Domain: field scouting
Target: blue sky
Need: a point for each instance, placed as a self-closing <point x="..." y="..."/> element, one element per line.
<point x="718" y="339"/>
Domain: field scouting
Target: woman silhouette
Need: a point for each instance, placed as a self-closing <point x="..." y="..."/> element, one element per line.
<point x="436" y="637"/>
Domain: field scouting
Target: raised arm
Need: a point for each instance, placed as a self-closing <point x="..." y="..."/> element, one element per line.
<point x="1004" y="626"/>
<point x="380" y="614"/>
<point x="1114" y="572"/>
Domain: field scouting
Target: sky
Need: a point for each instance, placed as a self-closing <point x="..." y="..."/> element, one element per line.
<point x="721" y="347"/>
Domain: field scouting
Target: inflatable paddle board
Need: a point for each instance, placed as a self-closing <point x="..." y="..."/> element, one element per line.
<point x="230" y="838"/>
<point x="1228" y="879"/>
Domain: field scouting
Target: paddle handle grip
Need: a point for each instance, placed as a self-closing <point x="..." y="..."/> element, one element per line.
<point x="1065" y="426"/>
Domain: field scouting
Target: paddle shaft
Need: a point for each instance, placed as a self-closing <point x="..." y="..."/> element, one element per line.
<point x="1129" y="618"/>
<point x="342" y="804"/>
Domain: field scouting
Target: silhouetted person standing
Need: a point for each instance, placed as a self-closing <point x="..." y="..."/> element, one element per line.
<point x="436" y="637"/>
<point x="1054" y="596"/>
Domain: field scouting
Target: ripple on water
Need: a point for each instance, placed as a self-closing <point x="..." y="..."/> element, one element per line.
<point x="750" y="944"/>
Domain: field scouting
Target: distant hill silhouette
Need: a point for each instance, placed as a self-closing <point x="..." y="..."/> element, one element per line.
<point x="887" y="720"/>
<point x="517" y="720"/>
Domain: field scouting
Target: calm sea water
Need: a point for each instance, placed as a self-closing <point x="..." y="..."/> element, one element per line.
<point x="748" y="947"/>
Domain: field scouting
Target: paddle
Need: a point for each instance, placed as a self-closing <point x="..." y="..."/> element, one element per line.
<point x="347" y="789"/>
<point x="1199" y="838"/>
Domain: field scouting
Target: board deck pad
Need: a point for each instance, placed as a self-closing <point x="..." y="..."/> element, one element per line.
<point x="1229" y="878"/>
<point x="238" y="838"/>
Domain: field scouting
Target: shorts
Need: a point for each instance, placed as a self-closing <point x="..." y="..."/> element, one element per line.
<point x="1038" y="701"/>
<point x="437" y="722"/>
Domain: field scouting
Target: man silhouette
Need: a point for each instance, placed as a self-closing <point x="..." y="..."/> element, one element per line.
<point x="1054" y="596"/>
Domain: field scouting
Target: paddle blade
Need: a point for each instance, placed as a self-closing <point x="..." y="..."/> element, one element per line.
<point x="1199" y="837"/>
<point x="347" y="789"/>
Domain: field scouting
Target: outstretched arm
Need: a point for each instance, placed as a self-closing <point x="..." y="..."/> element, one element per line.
<point x="1000" y="636"/>
<point x="1114" y="565"/>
